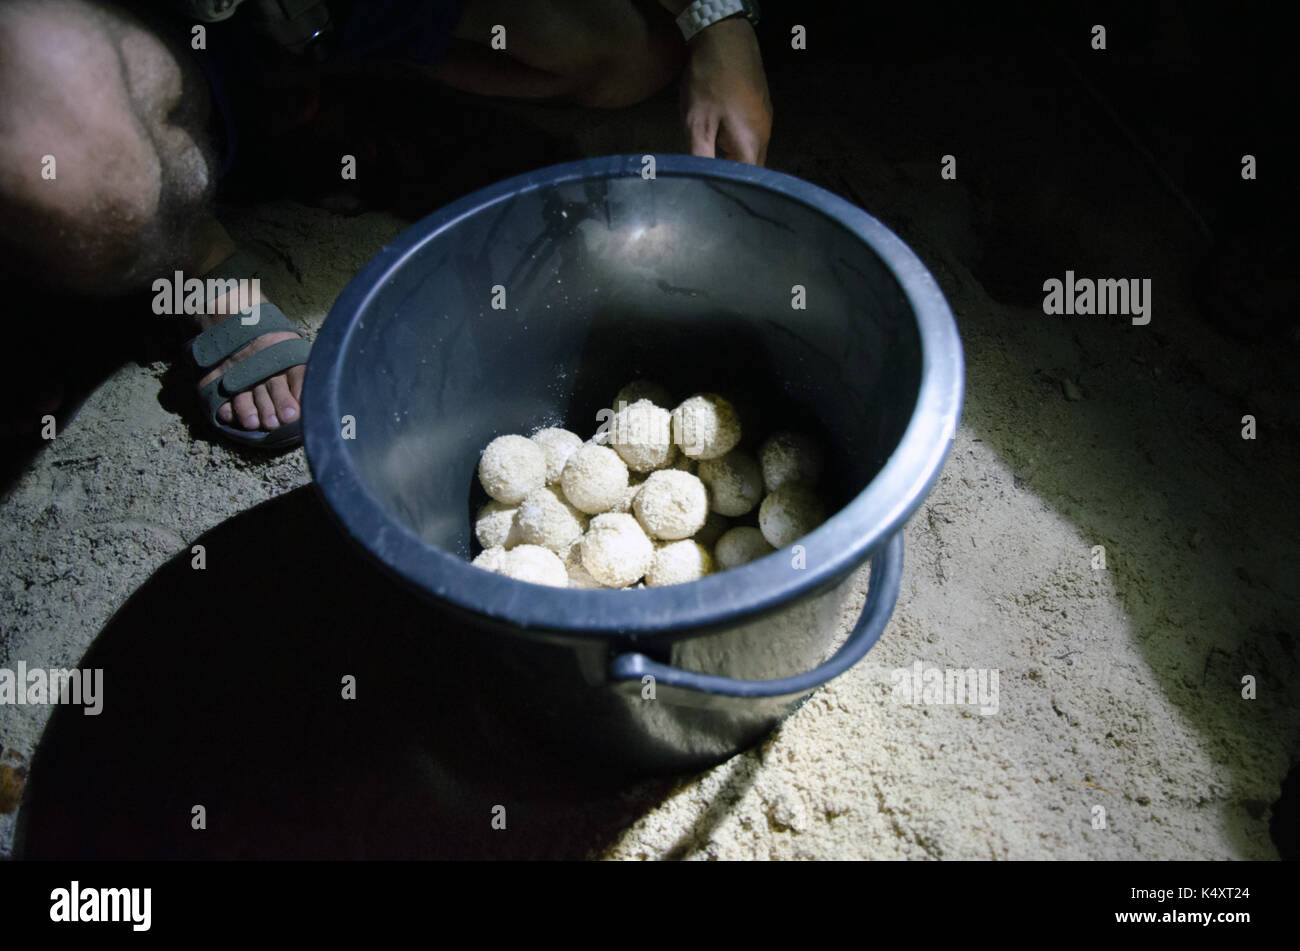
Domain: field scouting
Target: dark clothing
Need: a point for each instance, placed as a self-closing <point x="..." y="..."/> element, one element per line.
<point x="237" y="55"/>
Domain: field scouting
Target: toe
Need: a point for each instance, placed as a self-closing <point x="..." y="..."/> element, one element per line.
<point x="246" y="410"/>
<point x="265" y="408"/>
<point x="286" y="407"/>
<point x="295" y="376"/>
<point x="225" y="413"/>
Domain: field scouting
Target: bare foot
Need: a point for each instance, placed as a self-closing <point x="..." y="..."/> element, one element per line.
<point x="271" y="403"/>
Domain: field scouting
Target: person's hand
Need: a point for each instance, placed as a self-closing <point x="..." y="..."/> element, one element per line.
<point x="725" y="102"/>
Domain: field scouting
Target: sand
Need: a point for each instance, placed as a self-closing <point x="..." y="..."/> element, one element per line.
<point x="1119" y="688"/>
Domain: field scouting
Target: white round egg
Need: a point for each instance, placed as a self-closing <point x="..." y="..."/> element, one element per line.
<point x="741" y="545"/>
<point x="671" y="504"/>
<point x="790" y="457"/>
<point x="556" y="445"/>
<point x="616" y="551"/>
<point x="789" y="513"/>
<point x="536" y="564"/>
<point x="734" y="481"/>
<point x="546" y="518"/>
<point x="511" y="467"/>
<point x="594" y="479"/>
<point x="678" y="563"/>
<point x="706" y="426"/>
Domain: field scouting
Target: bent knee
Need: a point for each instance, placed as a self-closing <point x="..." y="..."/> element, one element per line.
<point x="638" y="62"/>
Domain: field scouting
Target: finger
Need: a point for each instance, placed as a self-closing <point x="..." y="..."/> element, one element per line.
<point x="286" y="407"/>
<point x="748" y="150"/>
<point x="246" y="410"/>
<point x="265" y="408"/>
<point x="704" y="135"/>
<point x="739" y="146"/>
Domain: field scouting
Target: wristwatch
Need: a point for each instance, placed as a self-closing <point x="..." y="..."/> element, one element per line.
<point x="295" y="25"/>
<point x="209" y="11"/>
<point x="704" y="13"/>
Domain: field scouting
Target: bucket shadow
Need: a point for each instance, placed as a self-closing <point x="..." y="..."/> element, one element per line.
<point x="222" y="687"/>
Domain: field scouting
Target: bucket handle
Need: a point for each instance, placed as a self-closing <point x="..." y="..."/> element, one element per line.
<point x="628" y="670"/>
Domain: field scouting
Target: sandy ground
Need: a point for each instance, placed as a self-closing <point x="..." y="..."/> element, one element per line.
<point x="1120" y="688"/>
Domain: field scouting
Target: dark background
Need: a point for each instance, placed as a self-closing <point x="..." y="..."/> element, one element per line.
<point x="1179" y="95"/>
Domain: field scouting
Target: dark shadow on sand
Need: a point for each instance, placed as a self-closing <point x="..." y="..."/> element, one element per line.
<point x="223" y="688"/>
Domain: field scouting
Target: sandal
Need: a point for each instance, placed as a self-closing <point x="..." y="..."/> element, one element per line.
<point x="223" y="340"/>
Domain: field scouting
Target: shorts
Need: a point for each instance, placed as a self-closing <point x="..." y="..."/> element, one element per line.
<point x="410" y="31"/>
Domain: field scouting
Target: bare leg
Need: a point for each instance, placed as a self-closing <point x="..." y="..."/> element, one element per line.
<point x="606" y="54"/>
<point x="130" y="196"/>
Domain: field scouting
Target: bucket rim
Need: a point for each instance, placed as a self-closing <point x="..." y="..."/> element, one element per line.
<point x="838" y="546"/>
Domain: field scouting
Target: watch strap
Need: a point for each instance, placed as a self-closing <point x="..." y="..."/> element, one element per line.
<point x="704" y="13"/>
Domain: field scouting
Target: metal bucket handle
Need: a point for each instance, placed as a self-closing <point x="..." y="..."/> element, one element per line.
<point x="627" y="671"/>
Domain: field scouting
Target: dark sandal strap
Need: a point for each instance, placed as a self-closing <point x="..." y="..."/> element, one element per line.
<point x="212" y="395"/>
<point x="252" y="370"/>
<point x="227" y="338"/>
<point x="230" y="336"/>
<point x="286" y="436"/>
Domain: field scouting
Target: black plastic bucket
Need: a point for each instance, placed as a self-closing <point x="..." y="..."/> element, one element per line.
<point x="694" y="277"/>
